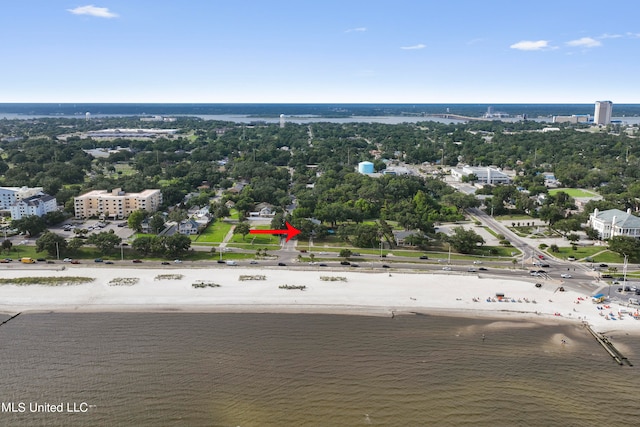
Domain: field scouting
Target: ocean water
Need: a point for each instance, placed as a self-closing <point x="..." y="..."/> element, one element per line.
<point x="134" y="369"/>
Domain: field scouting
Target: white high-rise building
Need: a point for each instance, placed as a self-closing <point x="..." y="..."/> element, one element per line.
<point x="603" y="112"/>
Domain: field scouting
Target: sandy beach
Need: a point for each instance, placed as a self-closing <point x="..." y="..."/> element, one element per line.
<point x="359" y="293"/>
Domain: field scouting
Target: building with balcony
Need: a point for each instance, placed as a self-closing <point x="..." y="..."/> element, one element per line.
<point x="10" y="195"/>
<point x="614" y="222"/>
<point x="115" y="204"/>
<point x="37" y="205"/>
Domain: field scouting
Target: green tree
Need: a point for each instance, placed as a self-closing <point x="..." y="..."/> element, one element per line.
<point x="51" y="243"/>
<point x="135" y="220"/>
<point x="156" y="224"/>
<point x="105" y="241"/>
<point x="345" y="253"/>
<point x="7" y="245"/>
<point x="177" y="244"/>
<point x="142" y="244"/>
<point x="242" y="228"/>
<point x="625" y="245"/>
<point x="31" y="225"/>
<point x="465" y="241"/>
<point x="74" y="244"/>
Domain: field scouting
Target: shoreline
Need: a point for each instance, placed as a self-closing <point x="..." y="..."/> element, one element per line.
<point x="350" y="293"/>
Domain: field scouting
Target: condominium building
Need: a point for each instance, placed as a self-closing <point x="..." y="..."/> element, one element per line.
<point x="115" y="204"/>
<point x="37" y="205"/>
<point x="603" y="112"/>
<point x="10" y="195"/>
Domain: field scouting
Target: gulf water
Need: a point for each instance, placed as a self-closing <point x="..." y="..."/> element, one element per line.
<point x="166" y="369"/>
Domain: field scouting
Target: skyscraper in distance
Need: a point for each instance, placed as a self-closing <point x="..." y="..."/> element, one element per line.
<point x="602" y="115"/>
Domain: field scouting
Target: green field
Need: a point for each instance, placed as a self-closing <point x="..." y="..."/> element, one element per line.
<point x="214" y="233"/>
<point x="574" y="192"/>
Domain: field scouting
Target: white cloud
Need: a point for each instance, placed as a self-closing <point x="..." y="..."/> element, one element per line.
<point x="531" y="45"/>
<point x="91" y="10"/>
<point x="584" y="42"/>
<point x="610" y="36"/>
<point x="356" y="30"/>
<point x="414" y="47"/>
<point x="633" y="35"/>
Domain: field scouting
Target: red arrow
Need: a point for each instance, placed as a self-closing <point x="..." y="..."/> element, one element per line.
<point x="291" y="231"/>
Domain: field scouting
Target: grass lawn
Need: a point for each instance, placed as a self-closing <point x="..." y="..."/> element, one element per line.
<point x="257" y="240"/>
<point x="588" y="251"/>
<point x="214" y="233"/>
<point x="518" y="217"/>
<point x="574" y="192"/>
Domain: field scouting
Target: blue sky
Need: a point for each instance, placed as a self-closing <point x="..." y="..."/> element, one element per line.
<point x="449" y="51"/>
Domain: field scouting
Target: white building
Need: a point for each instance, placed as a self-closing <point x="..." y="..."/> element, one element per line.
<point x="38" y="205"/>
<point x="603" y="112"/>
<point x="615" y="222"/>
<point x="10" y="195"/>
<point x="484" y="175"/>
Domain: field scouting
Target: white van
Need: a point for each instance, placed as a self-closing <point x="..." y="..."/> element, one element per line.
<point x="232" y="263"/>
<point x="634" y="301"/>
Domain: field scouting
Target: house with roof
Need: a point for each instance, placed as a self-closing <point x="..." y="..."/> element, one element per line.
<point x="614" y="222"/>
<point x="263" y="210"/>
<point x="188" y="226"/>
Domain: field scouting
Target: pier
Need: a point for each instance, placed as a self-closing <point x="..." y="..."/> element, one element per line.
<point x="609" y="347"/>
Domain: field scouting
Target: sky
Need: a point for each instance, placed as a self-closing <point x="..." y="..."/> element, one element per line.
<point x="328" y="51"/>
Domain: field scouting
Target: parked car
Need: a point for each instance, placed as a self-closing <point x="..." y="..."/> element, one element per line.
<point x="322" y="265"/>
<point x="253" y="261"/>
<point x="385" y="266"/>
<point x="282" y="264"/>
<point x="177" y="261"/>
<point x="137" y="261"/>
<point x="446" y="268"/>
<point x="355" y="265"/>
<point x="109" y="262"/>
<point x="221" y="261"/>
<point x="345" y="263"/>
<point x="424" y="257"/>
<point x="97" y="260"/>
<point x="41" y="260"/>
<point x="603" y="265"/>
<point x="165" y="263"/>
<point x="75" y="261"/>
<point x="565" y="276"/>
<point x="67" y="260"/>
<point x="482" y="269"/>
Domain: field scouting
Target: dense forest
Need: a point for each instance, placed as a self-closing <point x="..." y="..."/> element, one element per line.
<point x="315" y="165"/>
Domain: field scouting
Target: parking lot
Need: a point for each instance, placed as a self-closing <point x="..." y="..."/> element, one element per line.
<point x="120" y="228"/>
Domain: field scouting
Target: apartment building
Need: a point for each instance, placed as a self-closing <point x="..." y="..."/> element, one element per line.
<point x="115" y="204"/>
<point x="10" y="195"/>
<point x="37" y="205"/>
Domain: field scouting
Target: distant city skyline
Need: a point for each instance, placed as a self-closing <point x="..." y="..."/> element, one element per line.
<point x="405" y="51"/>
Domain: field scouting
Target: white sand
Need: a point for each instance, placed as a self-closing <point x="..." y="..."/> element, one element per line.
<point x="364" y="293"/>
